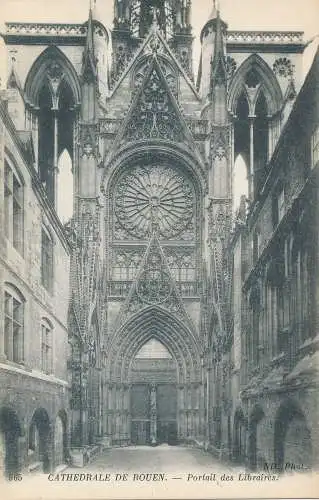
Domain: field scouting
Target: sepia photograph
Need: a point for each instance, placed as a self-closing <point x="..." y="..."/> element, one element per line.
<point x="159" y="244"/>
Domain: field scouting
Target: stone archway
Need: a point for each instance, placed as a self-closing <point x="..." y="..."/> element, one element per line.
<point x="60" y="439"/>
<point x="256" y="417"/>
<point x="153" y="395"/>
<point x="164" y="327"/>
<point x="268" y="80"/>
<point x="41" y="430"/>
<point x="239" y="439"/>
<point x="10" y="431"/>
<point x="292" y="439"/>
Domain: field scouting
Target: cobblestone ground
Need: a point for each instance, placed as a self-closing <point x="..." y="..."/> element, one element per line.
<point x="164" y="458"/>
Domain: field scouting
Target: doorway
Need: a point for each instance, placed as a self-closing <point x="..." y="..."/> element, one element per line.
<point x="153" y="396"/>
<point x="140" y="410"/>
<point x="153" y="412"/>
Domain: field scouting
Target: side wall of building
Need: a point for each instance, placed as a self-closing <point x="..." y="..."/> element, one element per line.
<point x="274" y="421"/>
<point x="34" y="295"/>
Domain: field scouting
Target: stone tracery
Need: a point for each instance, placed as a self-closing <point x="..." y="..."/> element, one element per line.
<point x="154" y="196"/>
<point x="154" y="115"/>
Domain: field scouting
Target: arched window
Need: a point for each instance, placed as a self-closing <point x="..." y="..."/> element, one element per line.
<point x="52" y="88"/>
<point x="126" y="266"/>
<point x="13" y="206"/>
<point x="46" y="259"/>
<point x="275" y="311"/>
<point x="260" y="131"/>
<point x="255" y="98"/>
<point x="46" y="143"/>
<point x="242" y="149"/>
<point x="256" y="245"/>
<point x="255" y="306"/>
<point x="181" y="265"/>
<point x="315" y="147"/>
<point x="13" y="324"/>
<point x="153" y="349"/>
<point x="33" y="447"/>
<point x="302" y="288"/>
<point x="46" y="346"/>
<point x="240" y="181"/>
<point x="55" y="124"/>
<point x="278" y="204"/>
<point x="65" y="187"/>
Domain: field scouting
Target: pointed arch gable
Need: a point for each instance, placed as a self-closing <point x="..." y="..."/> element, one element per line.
<point x="34" y="81"/>
<point x="187" y="159"/>
<point x="154" y="322"/>
<point x="269" y="84"/>
<point x="153" y="349"/>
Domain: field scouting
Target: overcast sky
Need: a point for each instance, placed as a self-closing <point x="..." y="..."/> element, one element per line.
<point x="239" y="14"/>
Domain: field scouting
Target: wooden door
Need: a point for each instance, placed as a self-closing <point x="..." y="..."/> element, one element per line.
<point x="140" y="414"/>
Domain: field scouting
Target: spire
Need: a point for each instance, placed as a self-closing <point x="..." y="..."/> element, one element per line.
<point x="219" y="73"/>
<point x="89" y="60"/>
<point x="96" y="14"/>
<point x="212" y="18"/>
<point x="214" y="12"/>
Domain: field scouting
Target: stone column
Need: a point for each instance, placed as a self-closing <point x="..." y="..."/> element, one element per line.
<point x="181" y="414"/>
<point x="153" y="424"/>
<point x="22" y="450"/>
<point x="110" y="423"/>
<point x="197" y="410"/>
<point x="190" y="416"/>
<point x="251" y="157"/>
<point x="55" y="172"/>
<point x="127" y="412"/>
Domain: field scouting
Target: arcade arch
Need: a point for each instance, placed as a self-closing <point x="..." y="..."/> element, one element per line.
<point x="40" y="438"/>
<point x="10" y="431"/>
<point x="292" y="438"/>
<point x="254" y="447"/>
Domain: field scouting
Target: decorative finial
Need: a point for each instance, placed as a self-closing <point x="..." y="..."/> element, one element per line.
<point x="154" y="14"/>
<point x="217" y="5"/>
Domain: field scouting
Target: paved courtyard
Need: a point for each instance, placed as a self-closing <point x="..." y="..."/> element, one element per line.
<point x="164" y="458"/>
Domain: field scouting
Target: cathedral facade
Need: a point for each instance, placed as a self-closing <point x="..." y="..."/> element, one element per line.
<point x="168" y="317"/>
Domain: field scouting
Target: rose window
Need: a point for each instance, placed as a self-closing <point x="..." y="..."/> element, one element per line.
<point x="154" y="198"/>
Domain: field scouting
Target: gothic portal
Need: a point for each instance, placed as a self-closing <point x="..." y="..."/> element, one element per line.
<point x="153" y="217"/>
<point x="155" y="187"/>
<point x="145" y="159"/>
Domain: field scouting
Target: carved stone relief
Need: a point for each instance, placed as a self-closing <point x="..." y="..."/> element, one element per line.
<point x="231" y="67"/>
<point x="154" y="116"/>
<point x="283" y="67"/>
<point x="220" y="142"/>
<point x="168" y="72"/>
<point x="154" y="286"/>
